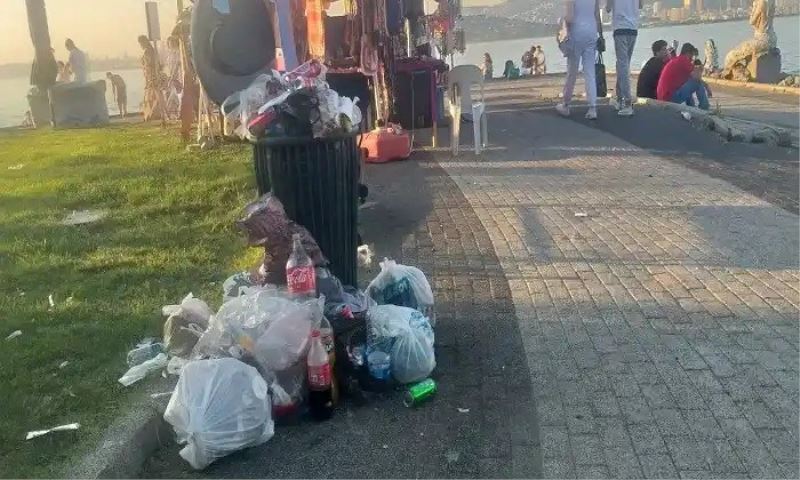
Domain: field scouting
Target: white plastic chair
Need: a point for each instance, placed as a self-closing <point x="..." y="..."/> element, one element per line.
<point x="459" y="83"/>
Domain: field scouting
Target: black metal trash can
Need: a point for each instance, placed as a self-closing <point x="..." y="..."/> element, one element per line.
<point x="317" y="182"/>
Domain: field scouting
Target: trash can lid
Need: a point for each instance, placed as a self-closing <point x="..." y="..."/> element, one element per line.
<point x="232" y="43"/>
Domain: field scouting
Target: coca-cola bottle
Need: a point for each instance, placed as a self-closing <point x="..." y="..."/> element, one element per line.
<point x="300" y="277"/>
<point x="320" y="395"/>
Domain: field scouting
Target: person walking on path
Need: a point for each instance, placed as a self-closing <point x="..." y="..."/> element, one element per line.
<point x="680" y="81"/>
<point x="155" y="105"/>
<point x="120" y="92"/>
<point x="585" y="32"/>
<point x="647" y="85"/>
<point x="77" y="63"/>
<point x="625" y="22"/>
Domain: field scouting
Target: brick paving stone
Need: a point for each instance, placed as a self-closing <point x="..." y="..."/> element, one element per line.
<point x="658" y="333"/>
<point x="658" y="466"/>
<point x="647" y="439"/>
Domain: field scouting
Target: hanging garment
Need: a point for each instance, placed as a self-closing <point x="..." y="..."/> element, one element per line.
<point x="286" y="27"/>
<point x="316" y="29"/>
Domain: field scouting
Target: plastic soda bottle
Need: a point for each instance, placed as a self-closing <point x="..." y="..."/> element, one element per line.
<point x="301" y="280"/>
<point x="320" y="378"/>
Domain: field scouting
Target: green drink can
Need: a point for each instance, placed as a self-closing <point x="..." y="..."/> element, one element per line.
<point x="419" y="393"/>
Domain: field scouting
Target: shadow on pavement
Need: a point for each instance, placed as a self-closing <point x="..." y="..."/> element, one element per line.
<point x="418" y="215"/>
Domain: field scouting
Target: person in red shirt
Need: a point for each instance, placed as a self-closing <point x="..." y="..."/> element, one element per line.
<point x="680" y="81"/>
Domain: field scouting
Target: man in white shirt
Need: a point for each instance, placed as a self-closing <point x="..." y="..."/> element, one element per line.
<point x="77" y="62"/>
<point x="625" y="22"/>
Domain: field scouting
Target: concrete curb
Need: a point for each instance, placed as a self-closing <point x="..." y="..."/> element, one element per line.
<point x="126" y="445"/>
<point x="731" y="129"/>
<point x="759" y="87"/>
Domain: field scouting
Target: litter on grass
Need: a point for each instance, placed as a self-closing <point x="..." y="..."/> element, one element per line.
<point x="18" y="166"/>
<point x="365" y="255"/>
<point x="60" y="428"/>
<point x="51" y="301"/>
<point x="14" y="334"/>
<point x="63" y="364"/>
<point x="462" y="410"/>
<point x="81" y="217"/>
<point x="581" y="214"/>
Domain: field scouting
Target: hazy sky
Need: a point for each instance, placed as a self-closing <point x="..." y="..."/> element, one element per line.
<point x="100" y="27"/>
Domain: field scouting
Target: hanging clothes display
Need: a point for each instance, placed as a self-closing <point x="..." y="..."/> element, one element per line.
<point x="316" y="28"/>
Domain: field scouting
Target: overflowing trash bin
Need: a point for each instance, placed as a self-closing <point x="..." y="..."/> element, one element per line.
<point x="305" y="152"/>
<point x="290" y="341"/>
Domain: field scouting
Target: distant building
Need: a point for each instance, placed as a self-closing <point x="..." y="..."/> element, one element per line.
<point x="658" y="7"/>
<point x="677" y="14"/>
<point x="699" y="6"/>
<point x="688" y="5"/>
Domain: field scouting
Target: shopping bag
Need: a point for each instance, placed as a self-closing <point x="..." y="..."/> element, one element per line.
<point x="600" y="76"/>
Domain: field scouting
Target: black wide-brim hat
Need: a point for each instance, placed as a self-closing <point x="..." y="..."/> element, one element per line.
<point x="232" y="43"/>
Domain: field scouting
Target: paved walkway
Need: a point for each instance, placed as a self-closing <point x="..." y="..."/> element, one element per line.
<point x="658" y="306"/>
<point x="603" y="311"/>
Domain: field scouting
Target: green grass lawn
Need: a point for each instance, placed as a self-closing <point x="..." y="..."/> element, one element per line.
<point x="168" y="232"/>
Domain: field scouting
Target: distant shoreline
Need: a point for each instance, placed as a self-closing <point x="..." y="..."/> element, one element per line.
<point x="539" y="30"/>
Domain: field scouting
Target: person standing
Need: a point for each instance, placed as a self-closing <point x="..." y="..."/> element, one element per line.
<point x="539" y="61"/>
<point x="585" y="32"/>
<point x="625" y="22"/>
<point x="488" y="67"/>
<point x="154" y="80"/>
<point x="77" y="63"/>
<point x="120" y="92"/>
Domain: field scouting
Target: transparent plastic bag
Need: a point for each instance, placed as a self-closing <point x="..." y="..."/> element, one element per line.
<point x="219" y="406"/>
<point x="138" y="372"/>
<point x="286" y="339"/>
<point x="232" y="286"/>
<point x="403" y="286"/>
<point x="406" y="335"/>
<point x="241" y="107"/>
<point x="184" y="325"/>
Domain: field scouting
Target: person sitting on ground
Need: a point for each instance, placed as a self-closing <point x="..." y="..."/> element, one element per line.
<point x="680" y="81"/>
<point x="510" y="72"/>
<point x="539" y="61"/>
<point x="487" y="68"/>
<point x="527" y="62"/>
<point x="120" y="92"/>
<point x="647" y="83"/>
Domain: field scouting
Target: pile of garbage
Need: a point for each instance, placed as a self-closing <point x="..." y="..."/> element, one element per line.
<point x="297" y="104"/>
<point x="289" y="341"/>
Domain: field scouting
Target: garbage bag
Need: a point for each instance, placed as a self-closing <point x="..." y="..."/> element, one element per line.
<point x="263" y="325"/>
<point x="406" y="335"/>
<point x="286" y="339"/>
<point x="266" y="224"/>
<point x="184" y="325"/>
<point x="404" y="286"/>
<point x="243" y="106"/>
<point x="219" y="406"/>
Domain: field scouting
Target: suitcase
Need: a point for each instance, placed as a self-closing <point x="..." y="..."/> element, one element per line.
<point x="386" y="144"/>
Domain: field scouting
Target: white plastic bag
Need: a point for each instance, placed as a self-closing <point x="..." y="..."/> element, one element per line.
<point x="404" y="286"/>
<point x="184" y="325"/>
<point x="407" y="336"/>
<point x="219" y="406"/>
<point x="134" y="374"/>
